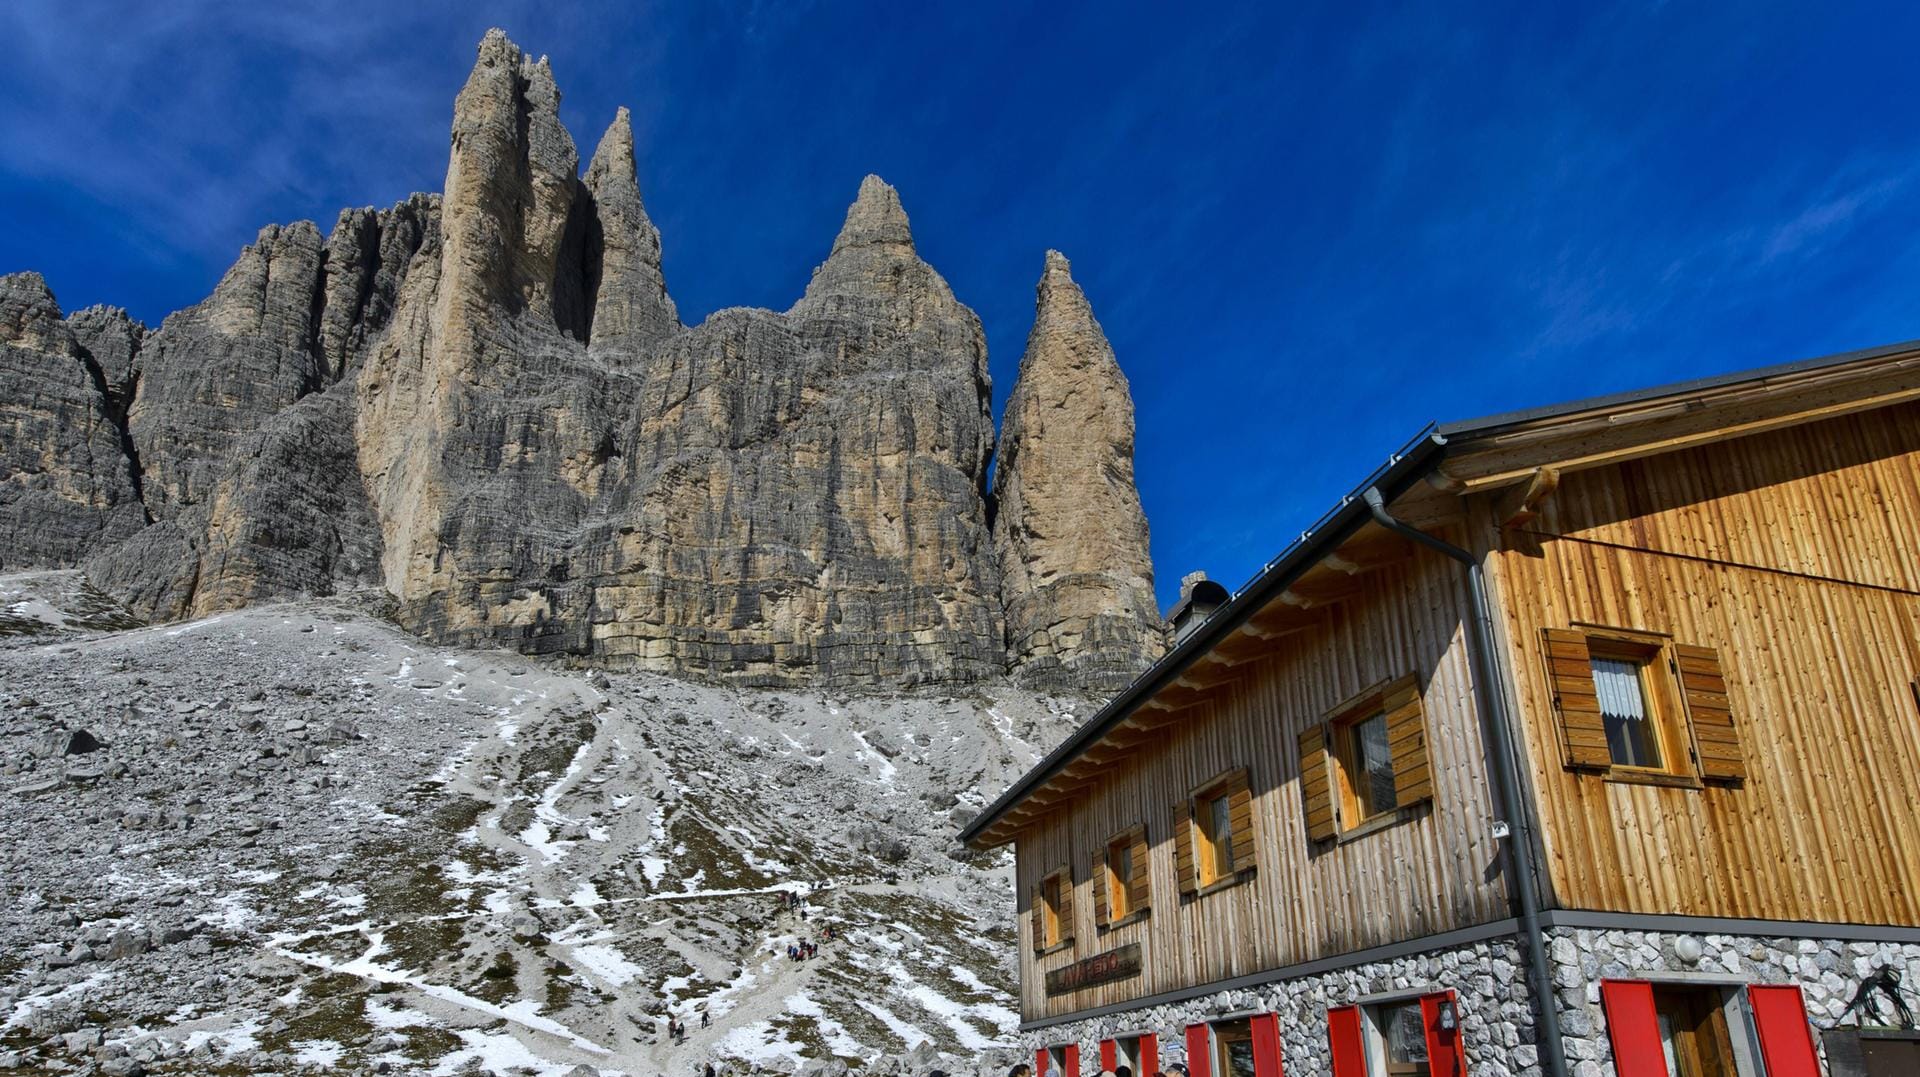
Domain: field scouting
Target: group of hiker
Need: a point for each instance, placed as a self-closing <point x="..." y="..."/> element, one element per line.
<point x="677" y="1029"/>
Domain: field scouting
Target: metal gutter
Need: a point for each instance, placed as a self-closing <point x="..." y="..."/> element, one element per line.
<point x="1400" y="471"/>
<point x="1490" y="699"/>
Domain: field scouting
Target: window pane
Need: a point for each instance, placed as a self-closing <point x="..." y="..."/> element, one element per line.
<point x="1406" y="1038"/>
<point x="1631" y="739"/>
<point x="1222" y="834"/>
<point x="1120" y="862"/>
<point x="1374" y="784"/>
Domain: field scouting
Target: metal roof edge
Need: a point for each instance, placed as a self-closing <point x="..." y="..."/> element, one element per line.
<point x="1486" y="424"/>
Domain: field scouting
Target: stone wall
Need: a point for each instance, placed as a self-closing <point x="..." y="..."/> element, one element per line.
<point x="1828" y="971"/>
<point x="1496" y="1018"/>
<point x="1496" y="1014"/>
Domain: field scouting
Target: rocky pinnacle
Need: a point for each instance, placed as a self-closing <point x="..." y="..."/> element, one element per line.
<point x="484" y="402"/>
<point x="1075" y="572"/>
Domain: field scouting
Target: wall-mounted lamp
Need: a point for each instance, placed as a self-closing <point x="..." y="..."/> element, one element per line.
<point x="1449" y="1015"/>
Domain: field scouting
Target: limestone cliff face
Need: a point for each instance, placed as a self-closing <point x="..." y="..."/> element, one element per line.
<point x="1072" y="540"/>
<point x="485" y="402"/>
<point x="66" y="485"/>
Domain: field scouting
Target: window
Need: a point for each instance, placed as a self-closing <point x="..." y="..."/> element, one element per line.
<point x="1120" y="879"/>
<point x="1216" y="837"/>
<point x="1641" y="707"/>
<point x="1403" y="1039"/>
<point x="1693" y="1031"/>
<point x="1682" y="1030"/>
<point x="1233" y="1049"/>
<point x="1053" y="912"/>
<point x="1213" y="834"/>
<point x="1629" y="692"/>
<point x="1365" y="761"/>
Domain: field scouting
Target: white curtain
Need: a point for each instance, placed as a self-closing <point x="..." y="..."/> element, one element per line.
<point x="1618" y="685"/>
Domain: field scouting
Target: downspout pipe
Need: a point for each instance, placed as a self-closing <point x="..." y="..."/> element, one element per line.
<point x="1499" y="726"/>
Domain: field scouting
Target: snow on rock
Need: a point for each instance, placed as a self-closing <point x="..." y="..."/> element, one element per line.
<point x="318" y="843"/>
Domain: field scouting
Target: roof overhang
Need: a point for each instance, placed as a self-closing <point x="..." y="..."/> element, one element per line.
<point x="1497" y="453"/>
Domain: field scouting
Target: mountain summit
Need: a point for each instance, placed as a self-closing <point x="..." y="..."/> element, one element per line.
<point x="485" y="402"/>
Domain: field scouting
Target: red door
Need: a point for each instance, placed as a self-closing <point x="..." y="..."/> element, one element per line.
<point x="1445" y="1055"/>
<point x="1266" y="1045"/>
<point x="1199" y="1051"/>
<point x="1149" y="1055"/>
<point x="1786" y="1041"/>
<point x="1634" y="1028"/>
<point x="1343" y="1035"/>
<point x="1109" y="1056"/>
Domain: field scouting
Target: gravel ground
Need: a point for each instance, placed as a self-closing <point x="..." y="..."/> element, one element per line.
<point x="293" y="839"/>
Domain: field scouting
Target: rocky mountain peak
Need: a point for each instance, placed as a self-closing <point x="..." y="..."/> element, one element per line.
<point x="876" y="219"/>
<point x="631" y="305"/>
<point x="1076" y="575"/>
<point x="485" y="402"/>
<point x="29" y="315"/>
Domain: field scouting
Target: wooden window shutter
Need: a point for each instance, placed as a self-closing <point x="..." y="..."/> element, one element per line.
<point x="1786" y="1044"/>
<point x="1570" y="674"/>
<point x="1099" y="881"/>
<point x="1039" y="916"/>
<point x="1240" y="817"/>
<point x="1343" y="1036"/>
<point x="1066" y="904"/>
<point x="1633" y="1028"/>
<point x="1316" y="792"/>
<point x="1266" y="1045"/>
<point x="1407" y="736"/>
<point x="1139" y="888"/>
<point x="1445" y="1055"/>
<point x="1183" y="847"/>
<point x="1716" y="739"/>
<point x="1199" y="1051"/>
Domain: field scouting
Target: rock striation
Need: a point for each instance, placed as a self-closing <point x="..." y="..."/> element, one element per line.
<point x="1075" y="571"/>
<point x="485" y="403"/>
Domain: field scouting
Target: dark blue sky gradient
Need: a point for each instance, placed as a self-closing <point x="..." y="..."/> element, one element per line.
<point x="1307" y="230"/>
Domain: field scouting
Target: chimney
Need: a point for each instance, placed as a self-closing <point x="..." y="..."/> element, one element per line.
<point x="1199" y="597"/>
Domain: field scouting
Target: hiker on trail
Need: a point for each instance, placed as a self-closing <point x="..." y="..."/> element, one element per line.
<point x="706" y="1021"/>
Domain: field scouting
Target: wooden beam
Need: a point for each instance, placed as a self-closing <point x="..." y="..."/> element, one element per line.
<point x="1522" y="501"/>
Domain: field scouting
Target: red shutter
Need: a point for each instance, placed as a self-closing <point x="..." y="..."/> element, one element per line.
<point x="1266" y="1045"/>
<point x="1634" y="1028"/>
<point x="1071" y="1067"/>
<point x="1199" y="1053"/>
<point x="1780" y="1016"/>
<point x="1343" y="1035"/>
<point x="1445" y="1055"/>
<point x="1040" y="1058"/>
<point x="1109" y="1056"/>
<point x="1149" y="1055"/>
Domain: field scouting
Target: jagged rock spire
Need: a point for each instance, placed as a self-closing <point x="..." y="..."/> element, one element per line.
<point x="511" y="181"/>
<point x="876" y="219"/>
<point x="1076" y="577"/>
<point x="873" y="257"/>
<point x="631" y="306"/>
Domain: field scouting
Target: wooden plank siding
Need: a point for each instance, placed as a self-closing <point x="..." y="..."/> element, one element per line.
<point x="1795" y="555"/>
<point x="1427" y="874"/>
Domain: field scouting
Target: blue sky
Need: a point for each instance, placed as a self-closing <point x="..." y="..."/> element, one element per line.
<point x="1308" y="230"/>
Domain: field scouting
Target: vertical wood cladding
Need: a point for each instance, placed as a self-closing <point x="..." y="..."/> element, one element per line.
<point x="1794" y="558"/>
